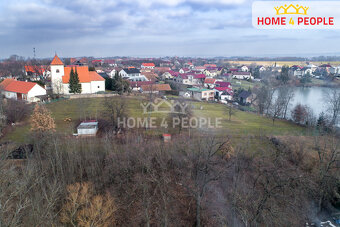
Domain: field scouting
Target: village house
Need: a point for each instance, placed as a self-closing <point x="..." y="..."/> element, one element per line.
<point x="209" y="82"/>
<point x="244" y="68"/>
<point x="200" y="68"/>
<point x="312" y="67"/>
<point x="184" y="70"/>
<point x="210" y="72"/>
<point x="91" y="82"/>
<point x="35" y="72"/>
<point x="223" y="94"/>
<point x="155" y="88"/>
<point x="202" y="94"/>
<point x="169" y="75"/>
<point x="110" y="62"/>
<point x="223" y="84"/>
<point x="190" y="79"/>
<point x="209" y="65"/>
<point x="161" y="70"/>
<point x="242" y="75"/>
<point x="132" y="74"/>
<point x="21" y="90"/>
<point x="261" y="68"/>
<point x="150" y="76"/>
<point x="97" y="62"/>
<point x="136" y="85"/>
<point x="245" y="98"/>
<point x="189" y="65"/>
<point x="148" y="66"/>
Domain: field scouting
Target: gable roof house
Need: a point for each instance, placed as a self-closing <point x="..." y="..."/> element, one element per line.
<point x="169" y="75"/>
<point x="245" y="97"/>
<point x="110" y="62"/>
<point x="148" y="66"/>
<point x="242" y="75"/>
<point x="209" y="82"/>
<point x="224" y="94"/>
<point x="244" y="68"/>
<point x="184" y="70"/>
<point x="223" y="84"/>
<point x="211" y="72"/>
<point x="150" y="76"/>
<point x="35" y="72"/>
<point x="90" y="81"/>
<point x="155" y="88"/>
<point x="202" y="94"/>
<point x="20" y="90"/>
<point x="200" y="68"/>
<point x="132" y="74"/>
<point x="136" y="85"/>
<point x="190" y="78"/>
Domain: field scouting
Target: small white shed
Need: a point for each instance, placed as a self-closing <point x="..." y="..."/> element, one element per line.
<point x="87" y="128"/>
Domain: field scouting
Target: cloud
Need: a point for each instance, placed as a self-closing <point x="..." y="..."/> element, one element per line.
<point x="141" y="27"/>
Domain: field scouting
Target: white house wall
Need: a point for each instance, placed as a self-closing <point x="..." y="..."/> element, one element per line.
<point x="35" y="91"/>
<point x="97" y="86"/>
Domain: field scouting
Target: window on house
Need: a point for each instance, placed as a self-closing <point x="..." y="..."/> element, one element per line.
<point x="98" y="86"/>
<point x="57" y="70"/>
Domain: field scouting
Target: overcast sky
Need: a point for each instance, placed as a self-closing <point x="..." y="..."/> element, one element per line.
<point x="141" y="28"/>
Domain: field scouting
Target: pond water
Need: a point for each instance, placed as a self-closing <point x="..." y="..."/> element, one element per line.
<point x="312" y="97"/>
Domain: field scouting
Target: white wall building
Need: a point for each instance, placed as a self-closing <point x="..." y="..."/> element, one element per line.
<point x="91" y="82"/>
<point x="21" y="90"/>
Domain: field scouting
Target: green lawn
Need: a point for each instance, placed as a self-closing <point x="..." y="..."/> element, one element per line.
<point x="242" y="123"/>
<point x="236" y="84"/>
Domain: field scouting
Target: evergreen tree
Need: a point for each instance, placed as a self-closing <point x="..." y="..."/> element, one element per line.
<point x="284" y="77"/>
<point x="119" y="84"/>
<point x="74" y="85"/>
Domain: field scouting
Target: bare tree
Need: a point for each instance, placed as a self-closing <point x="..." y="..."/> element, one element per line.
<point x="230" y="111"/>
<point x="328" y="150"/>
<point x="16" y="110"/>
<point x="277" y="107"/>
<point x="332" y="98"/>
<point x="203" y="162"/>
<point x="116" y="111"/>
<point x="287" y="95"/>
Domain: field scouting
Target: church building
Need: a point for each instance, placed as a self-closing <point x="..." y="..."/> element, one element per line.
<point x="91" y="82"/>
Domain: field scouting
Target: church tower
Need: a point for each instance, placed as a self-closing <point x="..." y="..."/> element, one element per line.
<point x="57" y="72"/>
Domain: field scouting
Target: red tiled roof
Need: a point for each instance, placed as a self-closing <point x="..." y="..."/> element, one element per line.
<point x="209" y="65"/>
<point x="156" y="87"/>
<point x="85" y="76"/>
<point x="109" y="61"/>
<point x="223" y="84"/>
<point x="209" y="81"/>
<point x="148" y="64"/>
<point x="150" y="75"/>
<point x="34" y="69"/>
<point x="17" y="86"/>
<point x="222" y="88"/>
<point x="140" y="83"/>
<point x="96" y="61"/>
<point x="199" y="76"/>
<point x="56" y="61"/>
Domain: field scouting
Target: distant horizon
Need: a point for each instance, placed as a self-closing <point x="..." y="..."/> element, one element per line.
<point x="236" y="58"/>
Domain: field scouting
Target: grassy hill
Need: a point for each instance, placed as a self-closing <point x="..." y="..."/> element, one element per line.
<point x="242" y="123"/>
